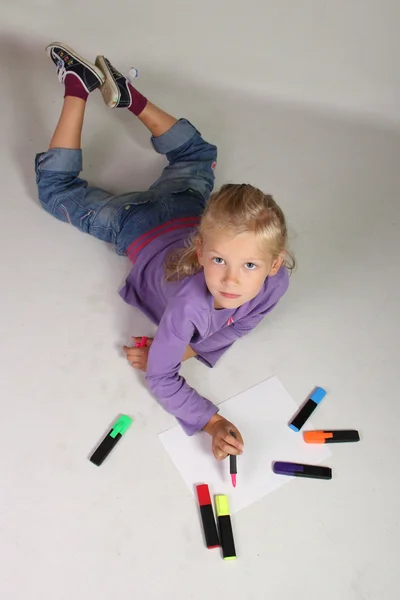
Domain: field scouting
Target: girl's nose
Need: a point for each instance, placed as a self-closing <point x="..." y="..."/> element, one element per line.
<point x="231" y="277"/>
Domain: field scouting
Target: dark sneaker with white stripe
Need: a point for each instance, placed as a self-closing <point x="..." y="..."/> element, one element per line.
<point x="68" y="61"/>
<point x="115" y="90"/>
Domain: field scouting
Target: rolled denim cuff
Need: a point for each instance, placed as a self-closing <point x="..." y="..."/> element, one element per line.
<point x="174" y="138"/>
<point x="59" y="159"/>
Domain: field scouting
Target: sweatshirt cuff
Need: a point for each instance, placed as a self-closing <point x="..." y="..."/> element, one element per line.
<point x="210" y="359"/>
<point x="204" y="360"/>
<point x="191" y="429"/>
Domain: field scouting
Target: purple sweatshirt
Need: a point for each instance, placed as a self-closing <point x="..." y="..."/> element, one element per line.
<point x="185" y="314"/>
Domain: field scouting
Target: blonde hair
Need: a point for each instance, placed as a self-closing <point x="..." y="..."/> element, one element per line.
<point x="239" y="209"/>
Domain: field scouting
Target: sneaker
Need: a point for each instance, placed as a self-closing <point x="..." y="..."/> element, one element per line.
<point x="115" y="90"/>
<point x="68" y="61"/>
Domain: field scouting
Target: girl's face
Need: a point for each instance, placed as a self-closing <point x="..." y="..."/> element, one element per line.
<point x="235" y="267"/>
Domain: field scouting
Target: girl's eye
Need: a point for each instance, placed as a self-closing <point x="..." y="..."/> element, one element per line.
<point x="218" y="261"/>
<point x="250" y="266"/>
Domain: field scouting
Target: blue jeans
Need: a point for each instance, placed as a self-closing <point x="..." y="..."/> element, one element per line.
<point x="182" y="190"/>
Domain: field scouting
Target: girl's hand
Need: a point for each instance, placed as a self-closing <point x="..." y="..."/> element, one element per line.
<point x="223" y="442"/>
<point x="138" y="356"/>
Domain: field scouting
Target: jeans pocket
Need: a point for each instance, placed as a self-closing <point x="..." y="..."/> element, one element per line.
<point x="132" y="205"/>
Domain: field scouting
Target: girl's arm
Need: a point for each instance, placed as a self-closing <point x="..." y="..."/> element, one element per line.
<point x="171" y="390"/>
<point x="189" y="353"/>
<point x="223" y="443"/>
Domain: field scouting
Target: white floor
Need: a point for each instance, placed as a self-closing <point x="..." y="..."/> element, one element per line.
<point x="329" y="151"/>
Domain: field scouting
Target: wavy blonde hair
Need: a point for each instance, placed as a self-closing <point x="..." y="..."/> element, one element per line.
<point x="238" y="208"/>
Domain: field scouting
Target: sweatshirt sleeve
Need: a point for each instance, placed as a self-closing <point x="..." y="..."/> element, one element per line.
<point x="171" y="390"/>
<point x="210" y="350"/>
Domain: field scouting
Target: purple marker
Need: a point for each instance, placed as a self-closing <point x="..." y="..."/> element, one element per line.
<point x="298" y="470"/>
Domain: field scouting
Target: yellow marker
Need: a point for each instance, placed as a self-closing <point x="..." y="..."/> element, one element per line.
<point x="225" y="527"/>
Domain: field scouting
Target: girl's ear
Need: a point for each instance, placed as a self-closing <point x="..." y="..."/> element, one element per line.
<point x="199" y="251"/>
<point x="277" y="263"/>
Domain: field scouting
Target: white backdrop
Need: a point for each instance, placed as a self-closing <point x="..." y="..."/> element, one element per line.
<point x="302" y="99"/>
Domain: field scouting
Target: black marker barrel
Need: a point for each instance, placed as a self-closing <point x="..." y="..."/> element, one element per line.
<point x="307" y="409"/>
<point x="225" y="527"/>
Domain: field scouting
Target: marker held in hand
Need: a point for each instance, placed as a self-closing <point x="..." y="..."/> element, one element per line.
<point x="233" y="463"/>
<point x="142" y="343"/>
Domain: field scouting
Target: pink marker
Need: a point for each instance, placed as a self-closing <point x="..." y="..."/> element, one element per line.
<point x="233" y="463"/>
<point x="142" y="343"/>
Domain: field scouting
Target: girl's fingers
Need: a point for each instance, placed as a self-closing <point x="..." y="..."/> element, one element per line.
<point x="219" y="454"/>
<point x="138" y="366"/>
<point x="228" y="448"/>
<point x="136" y="357"/>
<point x="138" y="340"/>
<point x="235" y="442"/>
<point x="133" y="352"/>
<point x="130" y="352"/>
<point x="137" y="360"/>
<point x="132" y="348"/>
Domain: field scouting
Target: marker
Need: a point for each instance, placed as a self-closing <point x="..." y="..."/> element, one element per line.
<point x="307" y="409"/>
<point x="233" y="463"/>
<point x="331" y="437"/>
<point x="207" y="516"/>
<point x="298" y="470"/>
<point x="111" y="439"/>
<point x="225" y="527"/>
<point x="142" y="343"/>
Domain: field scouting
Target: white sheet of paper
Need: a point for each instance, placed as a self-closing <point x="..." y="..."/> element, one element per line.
<point x="262" y="414"/>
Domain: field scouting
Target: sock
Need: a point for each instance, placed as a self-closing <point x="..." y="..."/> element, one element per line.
<point x="138" y="101"/>
<point x="74" y="87"/>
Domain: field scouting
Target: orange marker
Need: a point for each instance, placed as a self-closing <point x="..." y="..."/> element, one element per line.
<point x="331" y="437"/>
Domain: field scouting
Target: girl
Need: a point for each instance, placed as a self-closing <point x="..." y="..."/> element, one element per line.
<point x="205" y="270"/>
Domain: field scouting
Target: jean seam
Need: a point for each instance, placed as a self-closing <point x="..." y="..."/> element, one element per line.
<point x="66" y="213"/>
<point x="70" y="197"/>
<point x="89" y="213"/>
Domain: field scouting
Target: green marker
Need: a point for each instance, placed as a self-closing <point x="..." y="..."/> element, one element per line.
<point x="111" y="439"/>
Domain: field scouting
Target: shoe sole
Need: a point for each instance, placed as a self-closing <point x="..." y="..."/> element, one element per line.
<point x="97" y="72"/>
<point x="109" y="89"/>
